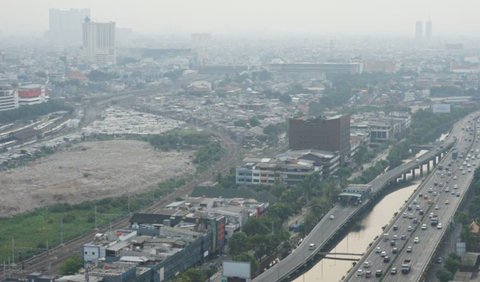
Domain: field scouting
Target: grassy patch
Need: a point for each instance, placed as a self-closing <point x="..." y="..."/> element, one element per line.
<point x="33" y="231"/>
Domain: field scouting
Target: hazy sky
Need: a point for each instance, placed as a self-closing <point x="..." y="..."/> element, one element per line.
<point x="449" y="17"/>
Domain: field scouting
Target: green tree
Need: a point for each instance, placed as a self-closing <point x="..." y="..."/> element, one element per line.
<point x="452" y="263"/>
<point x="71" y="265"/>
<point x="248" y="258"/>
<point x="444" y="275"/>
<point x="239" y="243"/>
<point x="254" y="122"/>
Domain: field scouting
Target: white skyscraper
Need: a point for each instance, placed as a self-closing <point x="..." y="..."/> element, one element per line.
<point x="99" y="42"/>
<point x="428" y="30"/>
<point x="65" y="26"/>
<point x="419" y="30"/>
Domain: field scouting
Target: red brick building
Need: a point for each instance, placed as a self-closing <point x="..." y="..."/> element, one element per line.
<point x="322" y="133"/>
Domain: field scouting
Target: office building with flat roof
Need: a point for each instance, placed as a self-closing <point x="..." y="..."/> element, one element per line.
<point x="99" y="42"/>
<point x="322" y="133"/>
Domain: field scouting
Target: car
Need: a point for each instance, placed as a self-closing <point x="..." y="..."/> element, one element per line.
<point x="393" y="271"/>
<point x="409" y="207"/>
<point x="409" y="228"/>
<point x="417" y="207"/>
<point x="416" y="240"/>
<point x="410" y="215"/>
<point x="439" y="226"/>
<point x="409" y="249"/>
<point x="395" y="237"/>
<point x="311" y="246"/>
<point x="386" y="259"/>
<point x="332" y="217"/>
<point x="421" y="212"/>
<point x="360" y="273"/>
<point x="447" y="202"/>
<point x="378" y="273"/>
<point x="378" y="250"/>
<point x="435" y="193"/>
<point x="403" y="237"/>
<point x="405" y="215"/>
<point x="366" y="264"/>
<point x="424" y="226"/>
<point x="455" y="186"/>
<point x="368" y="274"/>
<point x="436" y="207"/>
<point x="392" y="243"/>
<point x="383" y="254"/>
<point x="447" y="190"/>
<point x="452" y="193"/>
<point x="395" y="227"/>
<point x="415" y="221"/>
<point x="394" y="250"/>
<point x="439" y="260"/>
<point x="458" y="194"/>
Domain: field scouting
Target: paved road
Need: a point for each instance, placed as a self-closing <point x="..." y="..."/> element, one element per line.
<point x="429" y="237"/>
<point x="326" y="228"/>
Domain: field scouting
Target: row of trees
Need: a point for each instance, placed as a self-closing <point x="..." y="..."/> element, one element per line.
<point x="265" y="236"/>
<point x="426" y="127"/>
<point x="30" y="112"/>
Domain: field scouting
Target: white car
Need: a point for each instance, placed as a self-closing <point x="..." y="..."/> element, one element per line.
<point x="424" y="226"/>
<point x="332" y="217"/>
<point x="416" y="240"/>
<point x="439" y="226"/>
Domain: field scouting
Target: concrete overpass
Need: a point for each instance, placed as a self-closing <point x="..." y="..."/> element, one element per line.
<point x="440" y="200"/>
<point x="328" y="231"/>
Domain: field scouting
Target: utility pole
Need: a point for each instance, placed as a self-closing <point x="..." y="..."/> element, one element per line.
<point x="61" y="230"/>
<point x="13" y="250"/>
<point x="95" y="211"/>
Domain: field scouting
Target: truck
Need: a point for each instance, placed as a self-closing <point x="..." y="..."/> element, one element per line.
<point x="406" y="266"/>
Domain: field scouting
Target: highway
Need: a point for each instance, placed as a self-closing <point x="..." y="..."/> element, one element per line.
<point x="441" y="193"/>
<point x="326" y="229"/>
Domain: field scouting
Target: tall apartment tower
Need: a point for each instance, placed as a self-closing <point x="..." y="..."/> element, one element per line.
<point x="419" y="30"/>
<point x="99" y="42"/>
<point x="65" y="26"/>
<point x="323" y="133"/>
<point x="428" y="30"/>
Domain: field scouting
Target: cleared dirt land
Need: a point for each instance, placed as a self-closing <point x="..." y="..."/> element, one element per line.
<point x="88" y="171"/>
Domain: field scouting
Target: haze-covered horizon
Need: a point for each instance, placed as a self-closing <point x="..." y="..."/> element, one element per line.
<point x="345" y="17"/>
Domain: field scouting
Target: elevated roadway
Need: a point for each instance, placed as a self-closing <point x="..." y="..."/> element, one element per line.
<point x="327" y="230"/>
<point x="441" y="193"/>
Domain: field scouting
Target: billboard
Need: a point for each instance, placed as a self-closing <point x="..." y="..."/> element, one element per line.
<point x="236" y="269"/>
<point x="441" y="108"/>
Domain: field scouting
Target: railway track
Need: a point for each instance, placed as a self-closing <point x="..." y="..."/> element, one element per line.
<point x="49" y="261"/>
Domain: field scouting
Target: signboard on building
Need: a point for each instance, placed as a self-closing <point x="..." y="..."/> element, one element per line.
<point x="236" y="269"/>
<point x="441" y="108"/>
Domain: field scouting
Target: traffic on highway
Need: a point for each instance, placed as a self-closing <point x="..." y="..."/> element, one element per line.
<point x="408" y="244"/>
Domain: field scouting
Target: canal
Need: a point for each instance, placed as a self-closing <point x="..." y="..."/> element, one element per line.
<point x="357" y="241"/>
<point x="363" y="233"/>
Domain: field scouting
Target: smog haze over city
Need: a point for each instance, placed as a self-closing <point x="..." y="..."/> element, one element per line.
<point x="252" y="140"/>
<point x="350" y="17"/>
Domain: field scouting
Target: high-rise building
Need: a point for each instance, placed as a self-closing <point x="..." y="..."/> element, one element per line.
<point x="419" y="30"/>
<point x="8" y="97"/>
<point x="428" y="30"/>
<point x="99" y="42"/>
<point x="66" y="25"/>
<point x="323" y="133"/>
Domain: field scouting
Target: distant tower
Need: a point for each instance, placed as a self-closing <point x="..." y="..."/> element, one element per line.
<point x="419" y="30"/>
<point x="99" y="42"/>
<point x="65" y="26"/>
<point x="428" y="30"/>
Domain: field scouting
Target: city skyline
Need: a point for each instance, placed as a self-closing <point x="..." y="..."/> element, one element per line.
<point x="344" y="17"/>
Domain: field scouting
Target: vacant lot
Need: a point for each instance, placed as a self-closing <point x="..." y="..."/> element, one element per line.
<point x="87" y="171"/>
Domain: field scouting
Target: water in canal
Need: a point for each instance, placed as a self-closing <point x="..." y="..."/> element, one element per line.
<point x="357" y="241"/>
